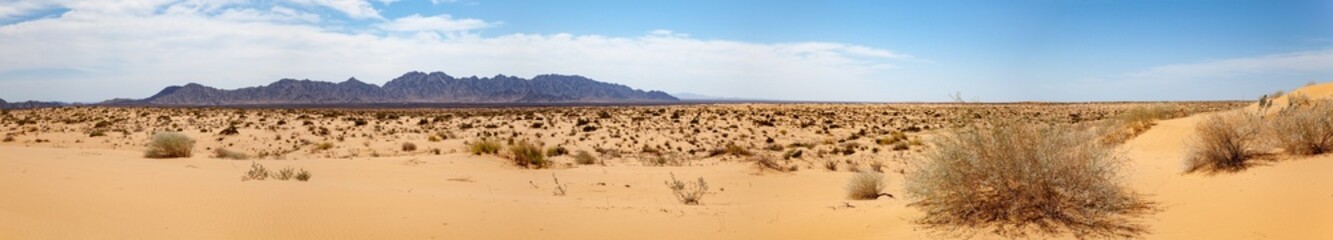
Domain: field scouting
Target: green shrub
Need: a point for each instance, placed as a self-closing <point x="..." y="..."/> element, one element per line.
<point x="169" y="145"/>
<point x="1015" y="178"/>
<point x="484" y="146"/>
<point x="528" y="155"/>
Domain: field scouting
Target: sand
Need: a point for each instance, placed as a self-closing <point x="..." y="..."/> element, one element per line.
<point x="75" y="187"/>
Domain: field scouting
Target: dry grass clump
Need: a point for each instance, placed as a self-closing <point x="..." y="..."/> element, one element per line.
<point x="688" y="193"/>
<point x="1304" y="131"/>
<point x="1015" y="179"/>
<point x="484" y="146"/>
<point x="259" y="172"/>
<point x="409" y="147"/>
<point x="1224" y="142"/>
<point x="229" y="154"/>
<point x="528" y="155"/>
<point x="169" y="145"/>
<point x="866" y="185"/>
<point x="584" y="157"/>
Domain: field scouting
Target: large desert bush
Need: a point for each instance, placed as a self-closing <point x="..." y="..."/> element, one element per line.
<point x="1304" y="130"/>
<point x="169" y="145"/>
<point x="1224" y="142"/>
<point x="1015" y="179"/>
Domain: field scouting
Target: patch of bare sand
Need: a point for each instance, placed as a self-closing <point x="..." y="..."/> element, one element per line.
<point x="1289" y="199"/>
<point x="81" y="194"/>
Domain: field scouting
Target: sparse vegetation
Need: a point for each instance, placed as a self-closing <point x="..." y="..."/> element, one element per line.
<point x="484" y="146"/>
<point x="1013" y="179"/>
<point x="688" y="193"/>
<point x="866" y="185"/>
<point x="259" y="173"/>
<point x="528" y="155"/>
<point x="1224" y="142"/>
<point x="1139" y="119"/>
<point x="169" y="145"/>
<point x="409" y="147"/>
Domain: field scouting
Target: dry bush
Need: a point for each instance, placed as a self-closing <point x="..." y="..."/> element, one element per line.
<point x="409" y="147"/>
<point x="484" y="146"/>
<point x="285" y="174"/>
<point x="688" y="193"/>
<point x="1304" y="131"/>
<point x="866" y="185"/>
<point x="229" y="154"/>
<point x="1015" y="179"/>
<point x="257" y="172"/>
<point x="303" y="175"/>
<point x="169" y="145"/>
<point x="584" y="157"/>
<point x="1224" y="142"/>
<point x="528" y="155"/>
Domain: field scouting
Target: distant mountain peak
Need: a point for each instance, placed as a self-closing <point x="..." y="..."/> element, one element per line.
<point x="413" y="87"/>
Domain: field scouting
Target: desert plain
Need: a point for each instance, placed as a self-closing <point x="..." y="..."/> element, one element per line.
<point x="772" y="171"/>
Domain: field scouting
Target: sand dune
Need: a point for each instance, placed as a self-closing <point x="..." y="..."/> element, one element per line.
<point x="70" y="189"/>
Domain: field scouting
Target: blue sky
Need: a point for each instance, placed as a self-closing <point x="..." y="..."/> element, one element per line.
<point x="75" y="50"/>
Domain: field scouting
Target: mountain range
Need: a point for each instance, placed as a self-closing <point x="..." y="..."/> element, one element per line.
<point x="410" y="88"/>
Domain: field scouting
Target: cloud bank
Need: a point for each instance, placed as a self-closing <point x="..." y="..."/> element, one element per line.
<point x="102" y="49"/>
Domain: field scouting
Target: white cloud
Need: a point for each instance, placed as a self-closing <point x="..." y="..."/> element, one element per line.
<point x="100" y="55"/>
<point x="1288" y="62"/>
<point x="439" y="23"/>
<point x="357" y="9"/>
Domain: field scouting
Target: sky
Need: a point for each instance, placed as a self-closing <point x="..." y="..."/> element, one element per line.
<point x="880" y="50"/>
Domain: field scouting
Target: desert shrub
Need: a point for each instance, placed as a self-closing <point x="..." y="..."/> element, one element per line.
<point x="229" y="154"/>
<point x="1304" y="131"/>
<point x="303" y="175"/>
<point x="323" y="146"/>
<point x="97" y="133"/>
<point x="557" y="151"/>
<point x="285" y="174"/>
<point x="484" y="146"/>
<point x="1015" y="178"/>
<point x="408" y="147"/>
<point x="257" y="172"/>
<point x="688" y="193"/>
<point x="528" y="155"/>
<point x="230" y="130"/>
<point x="169" y="145"/>
<point x="866" y="185"/>
<point x="1224" y="142"/>
<point x="584" y="157"/>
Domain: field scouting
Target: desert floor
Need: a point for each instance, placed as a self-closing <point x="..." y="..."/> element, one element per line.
<point x="60" y="182"/>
